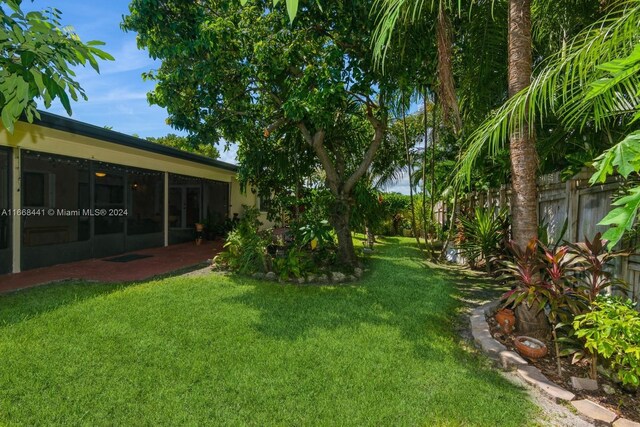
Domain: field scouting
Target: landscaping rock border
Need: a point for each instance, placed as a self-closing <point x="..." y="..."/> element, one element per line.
<point x="512" y="361"/>
<point x="330" y="278"/>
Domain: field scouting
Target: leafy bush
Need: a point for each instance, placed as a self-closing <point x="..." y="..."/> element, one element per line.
<point x="542" y="277"/>
<point x="612" y="331"/>
<point x="593" y="276"/>
<point x="564" y="280"/>
<point x="246" y="246"/>
<point x="321" y="231"/>
<point x="294" y="264"/>
<point x="482" y="236"/>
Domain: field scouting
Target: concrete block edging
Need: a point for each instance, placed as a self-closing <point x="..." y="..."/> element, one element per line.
<point x="512" y="361"/>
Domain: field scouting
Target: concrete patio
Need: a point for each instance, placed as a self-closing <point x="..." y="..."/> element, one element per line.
<point x="159" y="261"/>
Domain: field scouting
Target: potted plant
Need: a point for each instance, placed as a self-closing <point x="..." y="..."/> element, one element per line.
<point x="506" y="319"/>
<point x="199" y="233"/>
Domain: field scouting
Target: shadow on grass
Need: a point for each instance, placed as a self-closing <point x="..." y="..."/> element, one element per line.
<point x="402" y="291"/>
<point x="24" y="304"/>
<point x="403" y="301"/>
<point x="473" y="288"/>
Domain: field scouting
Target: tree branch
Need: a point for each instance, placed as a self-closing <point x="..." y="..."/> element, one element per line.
<point x="317" y="143"/>
<point x="368" y="155"/>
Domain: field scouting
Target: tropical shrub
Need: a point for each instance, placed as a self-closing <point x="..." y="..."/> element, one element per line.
<point x="482" y="236"/>
<point x="542" y="278"/>
<point x="295" y="263"/>
<point x="593" y="277"/>
<point x="246" y="246"/>
<point x="575" y="273"/>
<point x="612" y="331"/>
<point x="564" y="281"/>
<point x="320" y="231"/>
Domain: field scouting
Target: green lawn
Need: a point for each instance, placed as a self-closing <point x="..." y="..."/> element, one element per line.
<point x="233" y="351"/>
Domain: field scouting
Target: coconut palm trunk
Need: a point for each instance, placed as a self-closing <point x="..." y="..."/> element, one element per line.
<point x="524" y="158"/>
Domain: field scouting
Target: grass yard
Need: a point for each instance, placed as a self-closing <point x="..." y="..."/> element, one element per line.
<point x="234" y="351"/>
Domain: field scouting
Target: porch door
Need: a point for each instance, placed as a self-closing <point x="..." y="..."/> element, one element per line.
<point x="185" y="208"/>
<point x="109" y="202"/>
<point x="192" y="206"/>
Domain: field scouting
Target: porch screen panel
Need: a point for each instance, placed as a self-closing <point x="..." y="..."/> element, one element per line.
<point x="57" y="189"/>
<point x="109" y="198"/>
<point x="5" y="216"/>
<point x="216" y="196"/>
<point x="145" y="204"/>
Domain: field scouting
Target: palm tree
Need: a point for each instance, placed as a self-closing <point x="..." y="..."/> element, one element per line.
<point x="523" y="155"/>
<point x="594" y="81"/>
<point x="389" y="13"/>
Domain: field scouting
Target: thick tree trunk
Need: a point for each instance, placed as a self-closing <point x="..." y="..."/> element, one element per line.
<point x="524" y="158"/>
<point x="340" y="216"/>
<point x="447" y="87"/>
<point x="531" y="322"/>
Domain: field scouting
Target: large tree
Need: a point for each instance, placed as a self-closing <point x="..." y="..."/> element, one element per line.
<point x="183" y="143"/>
<point x="592" y="83"/>
<point x="523" y="154"/>
<point x="243" y="73"/>
<point x="36" y="59"/>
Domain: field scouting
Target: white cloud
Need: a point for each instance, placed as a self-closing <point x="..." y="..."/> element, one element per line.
<point x="230" y="155"/>
<point x="402" y="186"/>
<point x="128" y="58"/>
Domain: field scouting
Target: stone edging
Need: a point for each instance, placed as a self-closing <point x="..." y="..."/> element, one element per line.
<point x="512" y="361"/>
<point x="328" y="278"/>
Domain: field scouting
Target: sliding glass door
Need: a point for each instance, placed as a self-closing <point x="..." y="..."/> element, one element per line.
<point x="185" y="207"/>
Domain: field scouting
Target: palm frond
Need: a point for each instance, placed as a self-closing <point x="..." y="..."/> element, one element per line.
<point x="569" y="86"/>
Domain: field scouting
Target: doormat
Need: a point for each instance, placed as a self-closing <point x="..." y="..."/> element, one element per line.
<point x="127" y="258"/>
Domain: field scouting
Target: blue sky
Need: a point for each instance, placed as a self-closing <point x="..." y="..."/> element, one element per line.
<point x="118" y="95"/>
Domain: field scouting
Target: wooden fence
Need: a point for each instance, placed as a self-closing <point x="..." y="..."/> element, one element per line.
<point x="583" y="206"/>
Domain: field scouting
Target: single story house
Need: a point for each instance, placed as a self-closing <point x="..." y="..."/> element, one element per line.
<point x="71" y="191"/>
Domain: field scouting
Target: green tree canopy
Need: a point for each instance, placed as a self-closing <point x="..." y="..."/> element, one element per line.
<point x="185" y="144"/>
<point x="36" y="57"/>
<point x="246" y="73"/>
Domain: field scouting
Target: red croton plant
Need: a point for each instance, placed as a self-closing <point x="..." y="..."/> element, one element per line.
<point x="564" y="281"/>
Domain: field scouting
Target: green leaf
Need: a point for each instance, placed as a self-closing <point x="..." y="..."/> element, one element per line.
<point x="625" y="155"/>
<point x="622" y="217"/>
<point x="64" y="99"/>
<point x="7" y="119"/>
<point x="37" y="78"/>
<point x="292" y="9"/>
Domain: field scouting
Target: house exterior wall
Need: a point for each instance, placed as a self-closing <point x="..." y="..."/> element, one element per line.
<point x="247" y="198"/>
<point x="37" y="138"/>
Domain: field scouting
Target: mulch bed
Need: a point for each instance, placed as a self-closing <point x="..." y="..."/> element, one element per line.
<point x="624" y="402"/>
